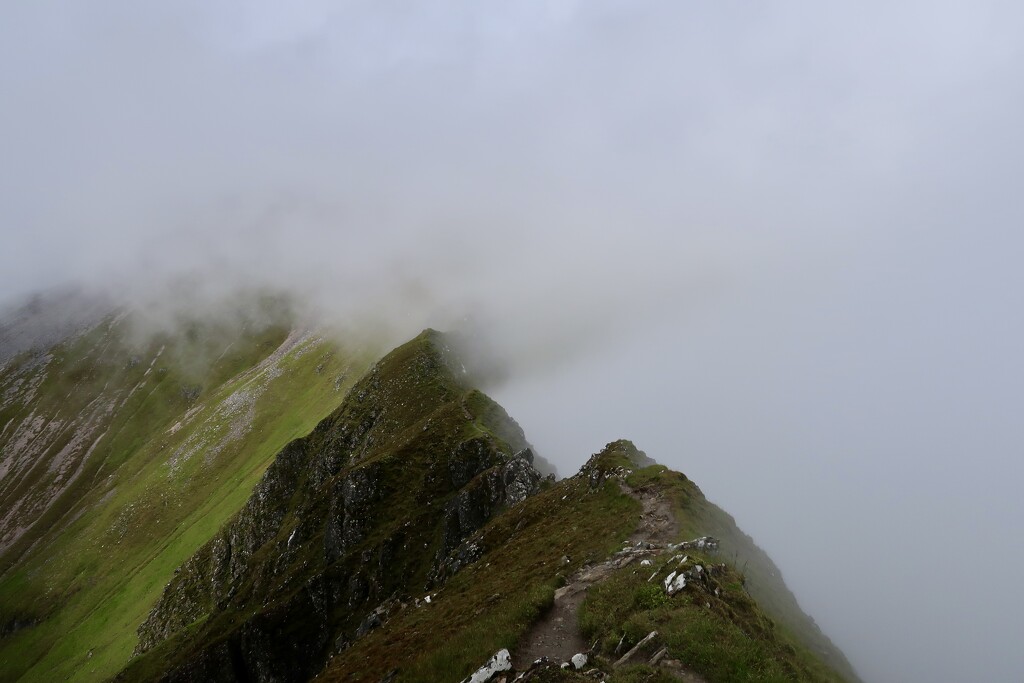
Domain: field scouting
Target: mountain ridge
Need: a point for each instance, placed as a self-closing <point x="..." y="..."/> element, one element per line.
<point x="476" y="495"/>
<point x="340" y="483"/>
<point x="313" y="568"/>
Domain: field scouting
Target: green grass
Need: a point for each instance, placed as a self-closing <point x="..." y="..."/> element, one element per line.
<point x="762" y="578"/>
<point x="415" y="423"/>
<point x="490" y="604"/>
<point x="406" y="427"/>
<point x="408" y="424"/>
<point x="92" y="581"/>
<point x="723" y="637"/>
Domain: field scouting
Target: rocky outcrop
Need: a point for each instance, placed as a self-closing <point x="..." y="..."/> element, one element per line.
<point x="373" y="504"/>
<point x="501" y="661"/>
<point x="476" y="503"/>
<point x="351" y="512"/>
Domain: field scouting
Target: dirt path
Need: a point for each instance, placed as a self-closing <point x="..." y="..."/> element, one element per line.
<point x="556" y="635"/>
<point x="657" y="523"/>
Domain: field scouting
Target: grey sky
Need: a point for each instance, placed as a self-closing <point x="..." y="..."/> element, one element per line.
<point x="776" y="244"/>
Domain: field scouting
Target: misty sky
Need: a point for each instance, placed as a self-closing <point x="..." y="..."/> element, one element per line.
<point x="776" y="244"/>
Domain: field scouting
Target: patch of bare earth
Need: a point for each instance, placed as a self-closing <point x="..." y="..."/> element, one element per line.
<point x="657" y="523"/>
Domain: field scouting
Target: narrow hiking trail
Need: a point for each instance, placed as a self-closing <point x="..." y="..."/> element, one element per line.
<point x="657" y="523"/>
<point x="556" y="635"/>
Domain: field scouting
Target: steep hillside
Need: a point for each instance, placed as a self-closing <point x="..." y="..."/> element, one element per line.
<point x="762" y="579"/>
<point x="409" y="538"/>
<point x="242" y="501"/>
<point x="590" y="556"/>
<point x="121" y="454"/>
<point x="370" y="505"/>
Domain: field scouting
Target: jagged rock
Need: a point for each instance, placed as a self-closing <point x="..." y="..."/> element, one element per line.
<point x="351" y="510"/>
<point x="698" y="574"/>
<point x="468" y="459"/>
<point x="466" y="554"/>
<point x="702" y="543"/>
<point x="496" y="488"/>
<point x="339" y="488"/>
<point x="520" y="480"/>
<point x="371" y="622"/>
<point x="501" y="661"/>
<point x="675" y="582"/>
<point x="526" y="454"/>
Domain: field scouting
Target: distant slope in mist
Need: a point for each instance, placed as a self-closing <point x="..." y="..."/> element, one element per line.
<point x="120" y="455"/>
<point x="48" y="318"/>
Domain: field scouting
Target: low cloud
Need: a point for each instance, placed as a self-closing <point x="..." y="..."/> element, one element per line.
<point x="774" y="245"/>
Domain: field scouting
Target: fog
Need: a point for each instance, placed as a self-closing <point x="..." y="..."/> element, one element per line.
<point x="776" y="244"/>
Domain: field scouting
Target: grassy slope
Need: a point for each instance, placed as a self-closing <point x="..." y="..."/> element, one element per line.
<point x="418" y="414"/>
<point x="724" y="637"/>
<point x="762" y="580"/>
<point x="93" y="579"/>
<point x="492" y="603"/>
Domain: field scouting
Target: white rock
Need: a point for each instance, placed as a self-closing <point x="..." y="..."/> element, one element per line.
<point x="501" y="661"/>
<point x="579" y="660"/>
<point x="678" y="584"/>
<point x="645" y="563"/>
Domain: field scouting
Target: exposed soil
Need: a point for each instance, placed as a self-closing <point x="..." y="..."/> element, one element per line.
<point x="657" y="523"/>
<point x="556" y="635"/>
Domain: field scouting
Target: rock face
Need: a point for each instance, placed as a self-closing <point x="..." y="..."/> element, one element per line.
<point x="375" y="503"/>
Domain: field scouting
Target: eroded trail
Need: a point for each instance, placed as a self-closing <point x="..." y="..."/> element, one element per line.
<point x="657" y="523"/>
<point x="556" y="635"/>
